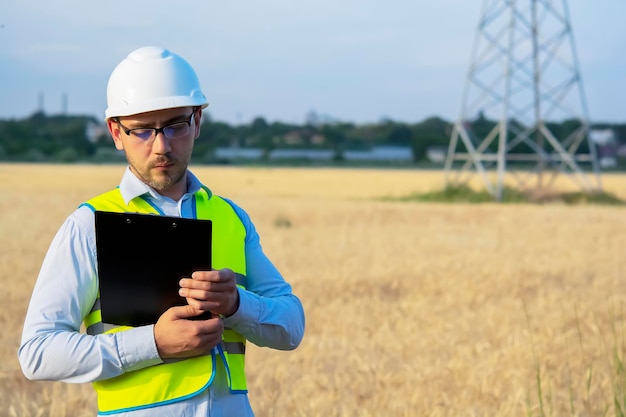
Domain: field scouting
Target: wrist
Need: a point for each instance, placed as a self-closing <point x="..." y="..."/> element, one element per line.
<point x="235" y="307"/>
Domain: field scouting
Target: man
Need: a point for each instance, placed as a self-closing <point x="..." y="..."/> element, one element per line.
<point x="178" y="366"/>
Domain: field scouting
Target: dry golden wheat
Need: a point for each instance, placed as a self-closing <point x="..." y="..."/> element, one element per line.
<point x="412" y="309"/>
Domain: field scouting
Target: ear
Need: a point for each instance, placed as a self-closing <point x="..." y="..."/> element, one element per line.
<point x="198" y="123"/>
<point x="115" y="131"/>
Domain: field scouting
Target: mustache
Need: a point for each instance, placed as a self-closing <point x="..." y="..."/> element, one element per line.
<point x="163" y="159"/>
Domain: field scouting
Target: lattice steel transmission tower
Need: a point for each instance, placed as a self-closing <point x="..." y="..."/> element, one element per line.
<point x="523" y="111"/>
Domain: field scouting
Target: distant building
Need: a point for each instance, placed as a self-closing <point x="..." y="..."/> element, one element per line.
<point x="381" y="153"/>
<point x="376" y="153"/>
<point x="94" y="130"/>
<point x="310" y="154"/>
<point x="607" y="146"/>
<point x="436" y="154"/>
<point x="232" y="153"/>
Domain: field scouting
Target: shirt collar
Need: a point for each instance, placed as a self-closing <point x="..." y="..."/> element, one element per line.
<point x="132" y="187"/>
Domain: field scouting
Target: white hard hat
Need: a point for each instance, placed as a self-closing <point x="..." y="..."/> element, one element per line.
<point x="152" y="78"/>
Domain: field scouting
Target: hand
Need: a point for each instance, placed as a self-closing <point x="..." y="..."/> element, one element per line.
<point x="177" y="336"/>
<point x="214" y="291"/>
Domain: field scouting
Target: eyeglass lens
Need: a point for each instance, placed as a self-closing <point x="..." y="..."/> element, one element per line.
<point x="173" y="131"/>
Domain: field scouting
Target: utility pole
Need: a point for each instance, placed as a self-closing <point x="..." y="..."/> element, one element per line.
<point x="523" y="113"/>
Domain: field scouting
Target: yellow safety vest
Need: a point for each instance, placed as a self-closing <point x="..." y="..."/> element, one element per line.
<point x="176" y="381"/>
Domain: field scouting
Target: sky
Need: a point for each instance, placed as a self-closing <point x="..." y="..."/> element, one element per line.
<point x="358" y="61"/>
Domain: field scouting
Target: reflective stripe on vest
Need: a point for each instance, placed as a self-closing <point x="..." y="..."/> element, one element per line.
<point x="177" y="380"/>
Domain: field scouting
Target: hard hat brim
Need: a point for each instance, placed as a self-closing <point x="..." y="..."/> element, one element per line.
<point x="154" y="105"/>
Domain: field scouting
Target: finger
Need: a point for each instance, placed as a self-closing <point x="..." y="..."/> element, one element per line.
<point x="186" y="338"/>
<point x="190" y="283"/>
<point x="199" y="294"/>
<point x="204" y="290"/>
<point x="183" y="312"/>
<point x="215" y="294"/>
<point x="204" y="285"/>
<point x="226" y="275"/>
<point x="205" y="275"/>
<point x="201" y="305"/>
<point x="201" y="280"/>
<point x="209" y="329"/>
<point x="221" y="275"/>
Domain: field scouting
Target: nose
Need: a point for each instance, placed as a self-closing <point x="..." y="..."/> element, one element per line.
<point x="161" y="143"/>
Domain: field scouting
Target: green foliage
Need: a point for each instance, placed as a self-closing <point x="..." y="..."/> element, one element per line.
<point x="462" y="194"/>
<point x="43" y="138"/>
<point x="67" y="154"/>
<point x="592" y="198"/>
<point x="465" y="194"/>
<point x="47" y="138"/>
<point x="619" y="377"/>
<point x="282" y="222"/>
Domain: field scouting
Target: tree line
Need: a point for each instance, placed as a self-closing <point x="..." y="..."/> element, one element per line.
<point x="66" y="138"/>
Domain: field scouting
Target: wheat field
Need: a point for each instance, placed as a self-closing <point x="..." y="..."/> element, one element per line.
<point x="413" y="309"/>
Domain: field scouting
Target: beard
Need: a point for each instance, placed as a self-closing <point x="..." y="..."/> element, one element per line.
<point x="161" y="180"/>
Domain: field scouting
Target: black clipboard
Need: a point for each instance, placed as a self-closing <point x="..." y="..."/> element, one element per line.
<point x="141" y="259"/>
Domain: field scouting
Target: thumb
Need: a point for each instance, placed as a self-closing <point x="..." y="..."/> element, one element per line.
<point x="183" y="312"/>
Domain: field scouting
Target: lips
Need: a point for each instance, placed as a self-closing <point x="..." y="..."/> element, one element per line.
<point x="163" y="164"/>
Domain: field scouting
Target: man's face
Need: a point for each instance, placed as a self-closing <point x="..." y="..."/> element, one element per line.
<point x="158" y="160"/>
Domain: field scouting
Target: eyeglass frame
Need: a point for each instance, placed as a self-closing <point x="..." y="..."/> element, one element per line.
<point x="155" y="130"/>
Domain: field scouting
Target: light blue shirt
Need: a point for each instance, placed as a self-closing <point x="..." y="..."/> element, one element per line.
<point x="54" y="348"/>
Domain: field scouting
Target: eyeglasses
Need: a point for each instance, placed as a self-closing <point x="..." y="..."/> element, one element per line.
<point x="147" y="134"/>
